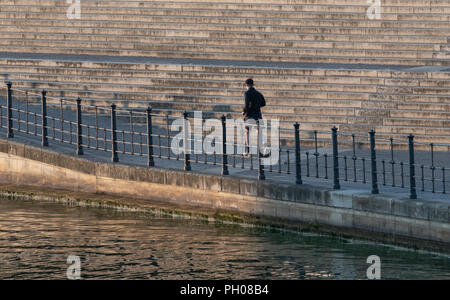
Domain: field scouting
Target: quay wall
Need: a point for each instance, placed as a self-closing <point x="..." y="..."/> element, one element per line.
<point x="387" y="218"/>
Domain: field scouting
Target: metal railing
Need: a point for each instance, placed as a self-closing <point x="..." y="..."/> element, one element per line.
<point x="331" y="156"/>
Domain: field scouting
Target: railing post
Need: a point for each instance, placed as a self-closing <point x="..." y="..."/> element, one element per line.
<point x="334" y="137"/>
<point x="261" y="175"/>
<point x="224" y="147"/>
<point x="44" y="142"/>
<point x="373" y="157"/>
<point x="412" y="170"/>
<point x="9" y="124"/>
<point x="150" y="161"/>
<point x="187" y="155"/>
<point x="115" y="157"/>
<point x="79" y="130"/>
<point x="298" y="169"/>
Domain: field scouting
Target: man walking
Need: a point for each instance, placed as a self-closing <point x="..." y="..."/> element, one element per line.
<point x="254" y="100"/>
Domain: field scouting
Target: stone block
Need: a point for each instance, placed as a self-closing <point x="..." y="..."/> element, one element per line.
<point x="212" y="183"/>
<point x="411" y="209"/>
<point x="373" y="203"/>
<point x="287" y="192"/>
<point x="84" y="166"/>
<point x="4" y="146"/>
<point x="341" y="199"/>
<point x="176" y="178"/>
<point x="16" y="149"/>
<point x="32" y="153"/>
<point x="230" y="185"/>
<point x="361" y="203"/>
<point x="283" y="211"/>
<point x="439" y="212"/>
<point x="147" y="175"/>
<point x="310" y="195"/>
<point x="56" y="159"/>
<point x="194" y="180"/>
<point x="269" y="190"/>
<point x="248" y="187"/>
<point x="112" y="170"/>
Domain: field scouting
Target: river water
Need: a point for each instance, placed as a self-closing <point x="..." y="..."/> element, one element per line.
<point x="36" y="239"/>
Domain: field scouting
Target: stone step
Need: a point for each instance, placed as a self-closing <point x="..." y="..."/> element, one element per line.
<point x="409" y="98"/>
<point x="139" y="3"/>
<point x="282" y="50"/>
<point x="405" y="130"/>
<point x="330" y="92"/>
<point x="137" y="41"/>
<point x="194" y="77"/>
<point x="158" y="94"/>
<point x="223" y="68"/>
<point x="338" y="93"/>
<point x="188" y="19"/>
<point x="222" y="86"/>
<point x="192" y="90"/>
<point x="288" y="72"/>
<point x="273" y="92"/>
<point x="441" y="107"/>
<point x="269" y="110"/>
<point x="418" y="122"/>
<point x="226" y="80"/>
<point x="413" y="90"/>
<point x="234" y="88"/>
<point x="211" y="73"/>
<point x="199" y="27"/>
<point x="194" y="9"/>
<point x="198" y="54"/>
<point x="328" y="6"/>
<point x="125" y="32"/>
<point x="202" y="32"/>
<point x="282" y="117"/>
<point x="199" y="99"/>
<point x="417" y="114"/>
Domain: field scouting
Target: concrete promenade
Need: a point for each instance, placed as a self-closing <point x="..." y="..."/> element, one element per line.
<point x="351" y="177"/>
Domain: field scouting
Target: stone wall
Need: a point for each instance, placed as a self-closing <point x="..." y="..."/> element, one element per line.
<point x="386" y="217"/>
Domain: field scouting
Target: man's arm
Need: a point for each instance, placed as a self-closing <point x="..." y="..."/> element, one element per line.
<point x="263" y="101"/>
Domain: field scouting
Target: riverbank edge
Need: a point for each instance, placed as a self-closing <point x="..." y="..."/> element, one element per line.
<point x="414" y="224"/>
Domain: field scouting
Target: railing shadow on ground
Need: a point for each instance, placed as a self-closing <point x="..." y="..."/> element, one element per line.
<point x="295" y="154"/>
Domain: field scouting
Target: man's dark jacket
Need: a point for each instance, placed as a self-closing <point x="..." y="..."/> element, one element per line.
<point x="254" y="100"/>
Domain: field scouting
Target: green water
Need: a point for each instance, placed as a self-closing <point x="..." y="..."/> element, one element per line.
<point x="36" y="238"/>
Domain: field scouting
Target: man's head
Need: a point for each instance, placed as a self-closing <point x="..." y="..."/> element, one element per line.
<point x="249" y="83"/>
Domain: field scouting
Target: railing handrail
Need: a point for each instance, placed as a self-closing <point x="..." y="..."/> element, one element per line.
<point x="144" y="138"/>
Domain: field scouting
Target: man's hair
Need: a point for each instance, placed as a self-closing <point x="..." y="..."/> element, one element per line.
<point x="249" y="82"/>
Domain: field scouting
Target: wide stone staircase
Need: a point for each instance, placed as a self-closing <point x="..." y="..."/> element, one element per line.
<point x="322" y="63"/>
<point x="409" y="32"/>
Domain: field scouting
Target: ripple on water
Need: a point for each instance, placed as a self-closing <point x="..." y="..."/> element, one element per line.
<point x="36" y="239"/>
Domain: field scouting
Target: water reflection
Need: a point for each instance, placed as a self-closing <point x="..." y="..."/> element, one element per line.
<point x="36" y="238"/>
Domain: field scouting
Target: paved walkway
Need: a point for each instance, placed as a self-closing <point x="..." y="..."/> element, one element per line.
<point x="361" y="171"/>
